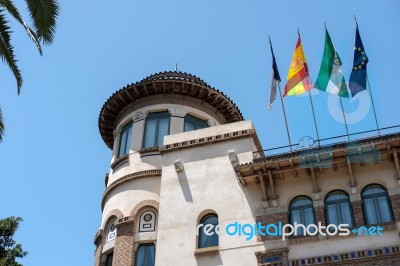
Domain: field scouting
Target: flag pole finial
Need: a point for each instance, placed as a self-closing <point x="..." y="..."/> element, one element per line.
<point x="298" y="32"/>
<point x="325" y="25"/>
<point x="355" y="20"/>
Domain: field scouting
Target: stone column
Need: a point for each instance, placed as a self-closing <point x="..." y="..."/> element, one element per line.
<point x="357" y="210"/>
<point x="177" y="119"/>
<point x="123" y="249"/>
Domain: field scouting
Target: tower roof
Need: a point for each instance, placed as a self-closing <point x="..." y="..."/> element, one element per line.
<point x="164" y="83"/>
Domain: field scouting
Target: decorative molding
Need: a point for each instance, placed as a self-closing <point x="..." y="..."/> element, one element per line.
<point x="149" y="151"/>
<point x="114" y="213"/>
<point x="206" y="251"/>
<point x="126" y="179"/>
<point x="144" y="204"/>
<point x="371" y="255"/>
<point x="98" y="237"/>
<point x="212" y="139"/>
<point x="121" y="160"/>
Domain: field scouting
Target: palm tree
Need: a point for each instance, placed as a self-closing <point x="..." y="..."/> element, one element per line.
<point x="43" y="15"/>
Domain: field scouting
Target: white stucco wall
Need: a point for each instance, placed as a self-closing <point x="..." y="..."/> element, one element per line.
<point x="208" y="182"/>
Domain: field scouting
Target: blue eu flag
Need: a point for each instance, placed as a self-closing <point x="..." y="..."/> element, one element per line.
<point x="358" y="77"/>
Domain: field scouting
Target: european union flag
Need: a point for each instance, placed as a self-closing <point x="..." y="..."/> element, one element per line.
<point x="358" y="77"/>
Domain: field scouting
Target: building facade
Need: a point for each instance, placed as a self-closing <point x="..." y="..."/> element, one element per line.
<point x="189" y="184"/>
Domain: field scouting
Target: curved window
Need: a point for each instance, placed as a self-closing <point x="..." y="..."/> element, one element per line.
<point x="301" y="211"/>
<point x="193" y="123"/>
<point x="376" y="205"/>
<point x="125" y="140"/>
<point x="156" y="127"/>
<point x="338" y="208"/>
<point x="147" y="222"/>
<point x="111" y="230"/>
<point x="145" y="255"/>
<point x="207" y="231"/>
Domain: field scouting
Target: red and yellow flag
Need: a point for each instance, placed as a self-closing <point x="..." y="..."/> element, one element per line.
<point x="298" y="79"/>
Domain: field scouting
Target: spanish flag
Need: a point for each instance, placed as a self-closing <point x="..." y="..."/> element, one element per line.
<point x="298" y="79"/>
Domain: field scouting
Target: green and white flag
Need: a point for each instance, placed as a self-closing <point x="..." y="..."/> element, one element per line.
<point x="330" y="78"/>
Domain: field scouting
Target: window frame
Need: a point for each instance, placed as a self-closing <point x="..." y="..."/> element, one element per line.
<point x="338" y="208"/>
<point x="127" y="127"/>
<point x="108" y="231"/>
<point x="301" y="209"/>
<point x="194" y="120"/>
<point x="144" y="245"/>
<point x="156" y="116"/>
<point x="201" y="232"/>
<point x="377" y="209"/>
<point x="109" y="259"/>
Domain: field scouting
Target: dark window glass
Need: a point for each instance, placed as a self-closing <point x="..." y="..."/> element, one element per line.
<point x="338" y="208"/>
<point x="208" y="240"/>
<point x="157" y="126"/>
<point x="109" y="259"/>
<point x="301" y="211"/>
<point x="125" y="140"/>
<point x="193" y="123"/>
<point x="145" y="255"/>
<point x="376" y="205"/>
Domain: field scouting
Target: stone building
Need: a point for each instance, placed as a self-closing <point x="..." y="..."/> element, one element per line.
<point x="185" y="163"/>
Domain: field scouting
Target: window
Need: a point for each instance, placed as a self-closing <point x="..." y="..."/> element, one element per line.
<point x="376" y="205"/>
<point x="145" y="255"/>
<point x="211" y="221"/>
<point x="125" y="140"/>
<point x="302" y="212"/>
<point x="157" y="126"/>
<point x="147" y="222"/>
<point x="111" y="230"/>
<point x="193" y="123"/>
<point x="338" y="208"/>
<point x="109" y="259"/>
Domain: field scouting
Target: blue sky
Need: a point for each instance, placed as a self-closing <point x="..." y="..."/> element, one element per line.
<point x="53" y="160"/>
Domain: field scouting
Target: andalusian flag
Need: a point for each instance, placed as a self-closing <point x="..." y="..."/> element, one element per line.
<point x="298" y="79"/>
<point x="330" y="78"/>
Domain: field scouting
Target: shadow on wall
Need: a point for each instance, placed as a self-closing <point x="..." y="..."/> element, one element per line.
<point x="183" y="182"/>
<point x="208" y="260"/>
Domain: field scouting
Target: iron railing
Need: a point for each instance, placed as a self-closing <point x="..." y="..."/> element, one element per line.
<point x="308" y="142"/>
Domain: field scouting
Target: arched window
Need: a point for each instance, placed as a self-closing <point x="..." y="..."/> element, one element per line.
<point x="376" y="205"/>
<point x="125" y="140"/>
<point x="156" y="127"/>
<point x="147" y="221"/>
<point x="338" y="208"/>
<point x="301" y="211"/>
<point x="111" y="230"/>
<point x="193" y="123"/>
<point x="109" y="259"/>
<point x="145" y="255"/>
<point x="207" y="231"/>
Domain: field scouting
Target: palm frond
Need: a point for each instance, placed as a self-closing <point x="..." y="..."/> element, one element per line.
<point x="1" y="125"/>
<point x="13" y="11"/>
<point x="44" y="14"/>
<point x="7" y="50"/>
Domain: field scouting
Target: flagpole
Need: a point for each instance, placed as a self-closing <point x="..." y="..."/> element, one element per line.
<point x="283" y="106"/>
<point x="373" y="105"/>
<point x="370" y="95"/>
<point x="315" y="122"/>
<point x="344" y="118"/>
<point x="284" y="115"/>
<point x="312" y="104"/>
